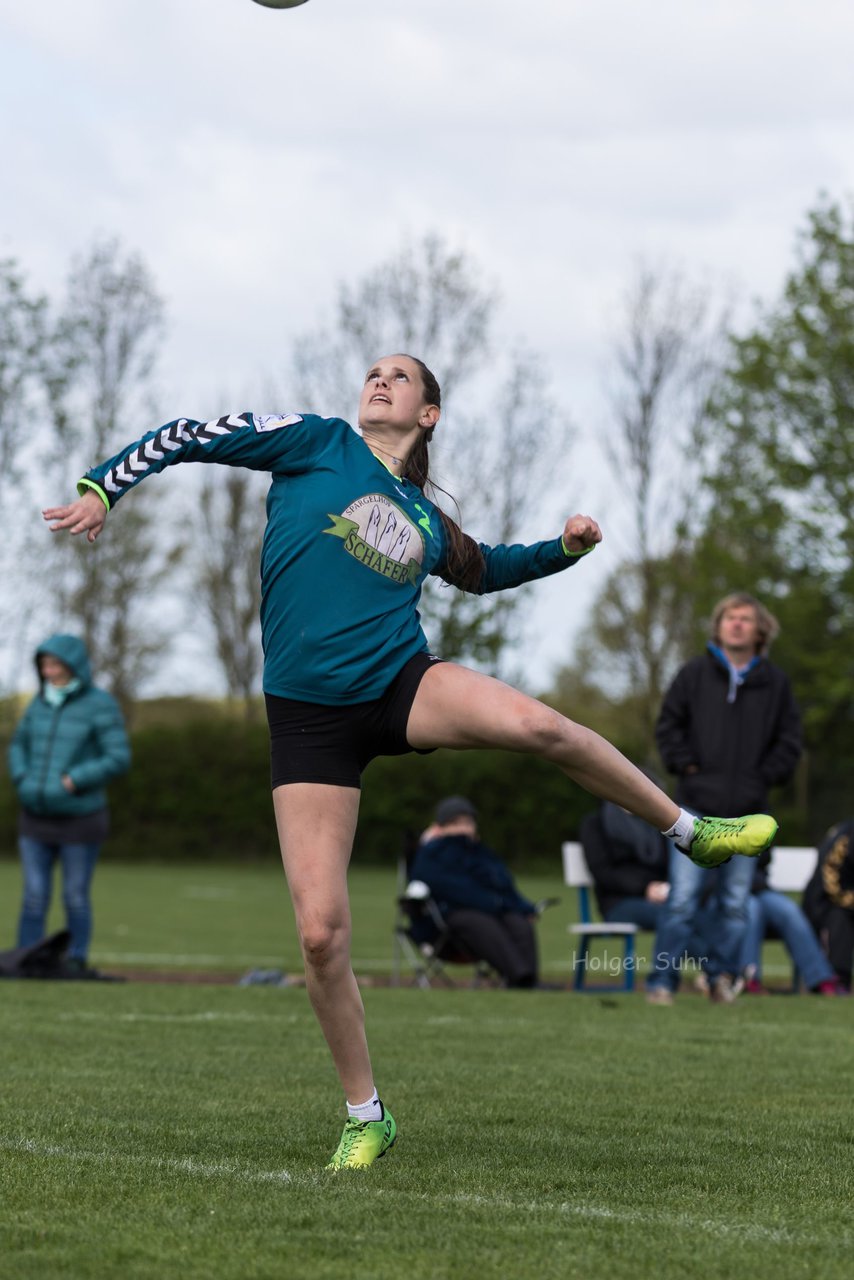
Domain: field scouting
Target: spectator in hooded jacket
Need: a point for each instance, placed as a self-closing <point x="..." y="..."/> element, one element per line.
<point x="475" y="893"/>
<point x="729" y="728"/>
<point x="829" y="899"/>
<point x="68" y="745"/>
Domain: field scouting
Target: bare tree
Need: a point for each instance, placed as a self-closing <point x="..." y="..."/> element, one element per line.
<point x="505" y="466"/>
<point x="666" y="357"/>
<point x="431" y="301"/>
<point x="23" y="343"/>
<point x="428" y="298"/>
<point x="228" y="585"/>
<point x="106" y="344"/>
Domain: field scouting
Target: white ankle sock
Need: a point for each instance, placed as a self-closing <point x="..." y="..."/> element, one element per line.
<point x="682" y="830"/>
<point x="370" y="1110"/>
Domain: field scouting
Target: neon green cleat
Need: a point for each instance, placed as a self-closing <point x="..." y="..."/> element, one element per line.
<point x="717" y="839"/>
<point x="363" y="1142"/>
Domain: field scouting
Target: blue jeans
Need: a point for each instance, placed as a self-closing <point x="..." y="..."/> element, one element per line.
<point x="724" y="919"/>
<point x="78" y="866"/>
<point x="639" y="911"/>
<point x="649" y="915"/>
<point x="771" y="910"/>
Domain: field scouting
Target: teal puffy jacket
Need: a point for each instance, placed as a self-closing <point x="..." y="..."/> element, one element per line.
<point x="84" y="738"/>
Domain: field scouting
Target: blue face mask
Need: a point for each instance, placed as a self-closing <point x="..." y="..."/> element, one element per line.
<point x="55" y="694"/>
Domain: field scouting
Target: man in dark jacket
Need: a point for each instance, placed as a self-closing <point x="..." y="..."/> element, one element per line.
<point x="475" y="893"/>
<point x="729" y="729"/>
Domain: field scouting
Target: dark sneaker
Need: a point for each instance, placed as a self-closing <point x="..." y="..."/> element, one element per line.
<point x="715" y="840"/>
<point x="363" y="1142"/>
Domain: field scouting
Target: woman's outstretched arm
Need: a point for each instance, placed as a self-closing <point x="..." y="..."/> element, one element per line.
<point x="510" y="566"/>
<point x="260" y="442"/>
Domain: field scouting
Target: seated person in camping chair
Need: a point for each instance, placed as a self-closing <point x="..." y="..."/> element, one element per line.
<point x="475" y="894"/>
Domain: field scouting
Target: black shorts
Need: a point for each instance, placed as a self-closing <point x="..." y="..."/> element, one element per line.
<point x="310" y="742"/>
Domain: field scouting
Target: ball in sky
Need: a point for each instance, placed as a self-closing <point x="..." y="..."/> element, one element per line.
<point x="280" y="4"/>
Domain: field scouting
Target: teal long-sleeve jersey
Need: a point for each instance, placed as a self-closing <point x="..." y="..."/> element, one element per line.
<point x="346" y="548"/>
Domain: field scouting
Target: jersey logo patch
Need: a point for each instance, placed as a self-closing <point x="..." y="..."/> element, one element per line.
<point x="273" y="421"/>
<point x="380" y="536"/>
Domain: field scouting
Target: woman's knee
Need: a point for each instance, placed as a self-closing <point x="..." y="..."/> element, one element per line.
<point x="547" y="733"/>
<point x="324" y="940"/>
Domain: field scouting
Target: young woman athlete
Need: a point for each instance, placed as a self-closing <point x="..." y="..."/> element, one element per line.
<point x="348" y="675"/>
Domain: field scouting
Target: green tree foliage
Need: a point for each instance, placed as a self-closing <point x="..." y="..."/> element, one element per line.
<point x="199" y="790"/>
<point x="781" y="485"/>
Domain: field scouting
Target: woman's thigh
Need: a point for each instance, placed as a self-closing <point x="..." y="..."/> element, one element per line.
<point x="316" y="823"/>
<point x="456" y="707"/>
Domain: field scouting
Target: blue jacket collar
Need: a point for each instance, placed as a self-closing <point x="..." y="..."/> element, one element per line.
<point x="737" y="675"/>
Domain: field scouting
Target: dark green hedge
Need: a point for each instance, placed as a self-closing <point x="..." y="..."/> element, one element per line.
<point x="199" y="790"/>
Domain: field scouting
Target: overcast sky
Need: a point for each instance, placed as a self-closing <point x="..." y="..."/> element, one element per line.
<point x="255" y="158"/>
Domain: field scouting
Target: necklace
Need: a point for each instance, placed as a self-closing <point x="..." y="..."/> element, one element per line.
<point x="397" y="461"/>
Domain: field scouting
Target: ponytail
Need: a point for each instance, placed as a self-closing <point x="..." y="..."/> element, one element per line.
<point x="464" y="562"/>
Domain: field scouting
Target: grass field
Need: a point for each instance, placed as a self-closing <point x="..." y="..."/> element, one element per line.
<point x="230" y="919"/>
<point x="154" y="1130"/>
<point x="224" y="919"/>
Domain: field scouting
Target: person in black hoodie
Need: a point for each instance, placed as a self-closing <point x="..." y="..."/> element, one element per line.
<point x="729" y="728"/>
<point x="629" y="863"/>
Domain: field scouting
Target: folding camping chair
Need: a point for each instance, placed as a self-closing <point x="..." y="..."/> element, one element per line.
<point x="424" y="941"/>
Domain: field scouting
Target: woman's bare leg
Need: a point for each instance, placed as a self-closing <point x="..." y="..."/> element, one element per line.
<point x="455" y="707"/>
<point x="316" y="825"/>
